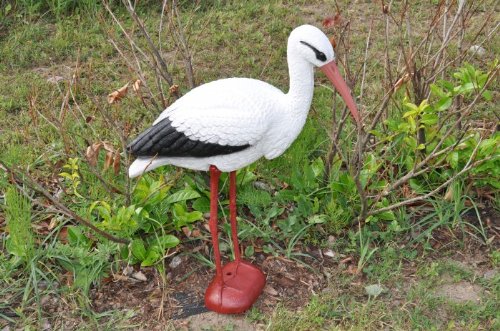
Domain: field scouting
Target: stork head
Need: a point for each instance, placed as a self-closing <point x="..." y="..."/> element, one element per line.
<point x="311" y="44"/>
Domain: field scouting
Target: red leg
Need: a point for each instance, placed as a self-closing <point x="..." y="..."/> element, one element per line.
<point x="232" y="215"/>
<point x="236" y="286"/>
<point x="214" y="199"/>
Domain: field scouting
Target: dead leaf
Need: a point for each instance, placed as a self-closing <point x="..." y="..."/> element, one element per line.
<point x="448" y="196"/>
<point x="332" y="20"/>
<point x="347" y="259"/>
<point x="186" y="231"/>
<point x="174" y="89"/>
<point x="270" y="290"/>
<point x="139" y="276"/>
<point x="92" y="153"/>
<point x="63" y="235"/>
<point x="351" y="269"/>
<point x="196" y="233"/>
<point x="118" y="94"/>
<point x="137" y="85"/>
<point x="118" y="278"/>
<point x="385" y="8"/>
<point x="333" y="42"/>
<point x="108" y="161"/>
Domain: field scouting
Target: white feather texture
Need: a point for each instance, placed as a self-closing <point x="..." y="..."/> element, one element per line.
<point x="243" y="111"/>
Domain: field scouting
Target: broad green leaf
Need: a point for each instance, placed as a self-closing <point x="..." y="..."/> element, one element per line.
<point x="166" y="241"/>
<point x="183" y="195"/>
<point x="202" y="204"/>
<point x="443" y="103"/>
<point x="437" y="91"/>
<point x="138" y="249"/>
<point x="194" y="216"/>
<point x="152" y="257"/>
<point x="386" y="216"/>
<point x="487" y="95"/>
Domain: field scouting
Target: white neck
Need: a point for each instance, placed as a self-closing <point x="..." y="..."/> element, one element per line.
<point x="300" y="95"/>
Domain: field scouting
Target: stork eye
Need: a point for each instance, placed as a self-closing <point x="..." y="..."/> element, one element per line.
<point x="319" y="55"/>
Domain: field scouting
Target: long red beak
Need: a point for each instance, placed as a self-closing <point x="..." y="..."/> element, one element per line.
<point x="332" y="72"/>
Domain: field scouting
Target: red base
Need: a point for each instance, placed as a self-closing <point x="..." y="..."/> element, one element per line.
<point x="240" y="287"/>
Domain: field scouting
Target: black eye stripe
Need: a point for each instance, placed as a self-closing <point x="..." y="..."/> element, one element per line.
<point x="319" y="55"/>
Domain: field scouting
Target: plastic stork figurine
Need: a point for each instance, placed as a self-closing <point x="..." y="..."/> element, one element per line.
<point x="228" y="124"/>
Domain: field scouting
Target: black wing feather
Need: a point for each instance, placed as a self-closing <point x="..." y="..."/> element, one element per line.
<point x="162" y="139"/>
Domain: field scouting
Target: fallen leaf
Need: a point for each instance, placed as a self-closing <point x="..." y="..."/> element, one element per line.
<point x="186" y="231"/>
<point x="118" y="277"/>
<point x="352" y="270"/>
<point x="118" y="94"/>
<point x="385" y="8"/>
<point x="347" y="259"/>
<point x="448" y="196"/>
<point x="63" y="235"/>
<point x="270" y="290"/>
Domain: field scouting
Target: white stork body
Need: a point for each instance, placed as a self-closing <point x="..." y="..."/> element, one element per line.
<point x="238" y="119"/>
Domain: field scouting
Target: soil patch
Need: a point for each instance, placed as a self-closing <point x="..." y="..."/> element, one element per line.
<point x="461" y="292"/>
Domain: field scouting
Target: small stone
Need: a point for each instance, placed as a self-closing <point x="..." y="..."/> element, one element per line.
<point x="331" y="240"/>
<point x="477" y="50"/>
<point x="176" y="261"/>
<point x="45" y="300"/>
<point x="139" y="276"/>
<point x="46" y="325"/>
<point x="490" y="274"/>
